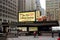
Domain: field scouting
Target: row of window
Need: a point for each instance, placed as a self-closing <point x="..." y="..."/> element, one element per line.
<point x="0" y="10"/>
<point x="14" y="1"/>
<point x="0" y="6"/>
<point x="0" y="14"/>
<point x="12" y="17"/>
<point x="5" y="10"/>
<point x="10" y="0"/>
<point x="0" y="19"/>
<point x="11" y="10"/>
<point x="11" y="3"/>
<point x="8" y="3"/>
<point x="10" y="13"/>
<point x="52" y="4"/>
<point x="11" y="6"/>
<point x="4" y="15"/>
<point x="4" y="20"/>
<point x="0" y="1"/>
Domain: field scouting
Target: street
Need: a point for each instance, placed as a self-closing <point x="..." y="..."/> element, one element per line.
<point x="32" y="38"/>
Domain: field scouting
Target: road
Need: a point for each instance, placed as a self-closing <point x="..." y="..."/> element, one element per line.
<point x="32" y="38"/>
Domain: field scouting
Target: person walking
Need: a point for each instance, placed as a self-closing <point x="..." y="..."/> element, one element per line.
<point x="59" y="36"/>
<point x="34" y="34"/>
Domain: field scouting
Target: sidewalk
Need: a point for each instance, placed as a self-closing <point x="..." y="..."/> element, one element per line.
<point x="32" y="38"/>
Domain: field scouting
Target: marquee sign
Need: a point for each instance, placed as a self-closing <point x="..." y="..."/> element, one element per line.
<point x="26" y="16"/>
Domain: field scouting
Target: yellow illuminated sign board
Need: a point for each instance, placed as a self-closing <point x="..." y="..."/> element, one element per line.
<point x="26" y="16"/>
<point x="33" y="29"/>
<point x="37" y="14"/>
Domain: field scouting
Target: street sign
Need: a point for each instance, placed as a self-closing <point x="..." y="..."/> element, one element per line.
<point x="56" y="28"/>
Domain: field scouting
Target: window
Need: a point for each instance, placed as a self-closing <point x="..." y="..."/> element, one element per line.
<point x="0" y="19"/>
<point x="6" y="8"/>
<point x="15" y="2"/>
<point x="3" y="7"/>
<point x="6" y="12"/>
<point x="0" y="10"/>
<point x="3" y="11"/>
<point x="4" y="15"/>
<point x="8" y="2"/>
<point x="0" y="1"/>
<point x="11" y="0"/>
<point x="4" y="0"/>
<point x="9" y="5"/>
<point x="0" y="14"/>
<point x="0" y="6"/>
<point x="4" y="20"/>
<point x="3" y="3"/>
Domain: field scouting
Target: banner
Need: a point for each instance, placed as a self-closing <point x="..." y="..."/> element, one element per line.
<point x="26" y="16"/>
<point x="33" y="28"/>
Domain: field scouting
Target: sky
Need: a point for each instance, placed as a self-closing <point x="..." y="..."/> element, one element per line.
<point x="42" y="3"/>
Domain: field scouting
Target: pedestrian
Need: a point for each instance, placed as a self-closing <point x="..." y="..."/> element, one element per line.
<point x="34" y="34"/>
<point x="40" y="33"/>
<point x="59" y="36"/>
<point x="52" y="34"/>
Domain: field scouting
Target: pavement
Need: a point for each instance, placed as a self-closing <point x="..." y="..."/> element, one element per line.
<point x="32" y="38"/>
<point x="2" y="38"/>
<point x="44" y="36"/>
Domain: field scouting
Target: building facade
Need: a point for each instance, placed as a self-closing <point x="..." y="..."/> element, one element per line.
<point x="21" y="5"/>
<point x="28" y="5"/>
<point x="8" y="10"/>
<point x="53" y="9"/>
